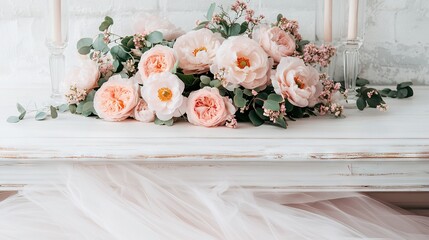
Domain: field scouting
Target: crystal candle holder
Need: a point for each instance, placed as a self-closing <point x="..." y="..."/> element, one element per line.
<point x="56" y="19"/>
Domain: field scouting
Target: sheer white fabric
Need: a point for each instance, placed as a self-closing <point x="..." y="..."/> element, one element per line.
<point x="127" y="202"/>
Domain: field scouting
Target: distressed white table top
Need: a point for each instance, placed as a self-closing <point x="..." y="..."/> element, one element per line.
<point x="394" y="142"/>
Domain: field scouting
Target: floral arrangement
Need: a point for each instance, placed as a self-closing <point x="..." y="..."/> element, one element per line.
<point x="231" y="68"/>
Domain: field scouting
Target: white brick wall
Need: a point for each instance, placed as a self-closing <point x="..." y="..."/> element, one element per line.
<point x="396" y="47"/>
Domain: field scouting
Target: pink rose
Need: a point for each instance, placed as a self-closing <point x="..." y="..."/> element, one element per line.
<point x="116" y="99"/>
<point x="206" y="107"/>
<point x="150" y="23"/>
<point x="157" y="60"/>
<point x="241" y="61"/>
<point x="297" y="82"/>
<point x="85" y="77"/>
<point x="196" y="50"/>
<point x="142" y="112"/>
<point x="276" y="42"/>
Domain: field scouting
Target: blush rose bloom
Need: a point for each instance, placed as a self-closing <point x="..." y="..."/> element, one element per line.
<point x="116" y="99"/>
<point x="163" y="94"/>
<point x="206" y="107"/>
<point x="297" y="82"/>
<point x="84" y="77"/>
<point x="148" y="23"/>
<point x="157" y="60"/>
<point x="276" y="42"/>
<point x="142" y="112"/>
<point x="241" y="61"/>
<point x="196" y="50"/>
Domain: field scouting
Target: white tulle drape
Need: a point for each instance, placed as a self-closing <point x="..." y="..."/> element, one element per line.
<point x="129" y="202"/>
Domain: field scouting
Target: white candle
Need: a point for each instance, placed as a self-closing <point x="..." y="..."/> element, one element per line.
<point x="353" y="19"/>
<point x="56" y="33"/>
<point x="328" y="21"/>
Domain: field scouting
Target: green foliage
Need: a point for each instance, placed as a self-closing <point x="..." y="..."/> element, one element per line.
<point x="271" y="105"/>
<point x="166" y="123"/>
<point x="84" y="46"/>
<point x="40" y="116"/>
<point x="13" y="119"/>
<point x="403" y="90"/>
<point x="255" y="119"/>
<point x="54" y="113"/>
<point x="100" y="45"/>
<point x="155" y="37"/>
<point x="108" y="21"/>
<point x="210" y="12"/>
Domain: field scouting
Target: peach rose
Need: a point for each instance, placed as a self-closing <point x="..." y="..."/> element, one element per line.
<point x="148" y="23"/>
<point x="142" y="112"/>
<point x="276" y="42"/>
<point x="206" y="107"/>
<point x="85" y="77"/>
<point x="241" y="61"/>
<point x="163" y="94"/>
<point x="157" y="60"/>
<point x="297" y="82"/>
<point x="196" y="50"/>
<point x="116" y="99"/>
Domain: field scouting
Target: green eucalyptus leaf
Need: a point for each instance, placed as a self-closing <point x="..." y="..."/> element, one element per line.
<point x="100" y="45"/>
<point x="188" y="80"/>
<point x="216" y="83"/>
<point x="90" y="96"/>
<point x="84" y="42"/>
<point x="281" y="122"/>
<point x="239" y="101"/>
<point x="402" y="93"/>
<point x="385" y="92"/>
<point x="247" y="92"/>
<point x="393" y="94"/>
<point x="235" y="29"/>
<point x="88" y="108"/>
<point x="204" y="79"/>
<point x="260" y="113"/>
<point x="289" y="106"/>
<point x="20" y="108"/>
<point x="238" y="92"/>
<point x="22" y="115"/>
<point x="108" y="21"/>
<point x="84" y="50"/>
<point x="63" y="108"/>
<point x="41" y="116"/>
<point x="360" y="82"/>
<point x="73" y="108"/>
<point x="211" y="11"/>
<point x="254" y="118"/>
<point x="244" y="26"/>
<point x="119" y="53"/>
<point x="404" y="85"/>
<point x="410" y="92"/>
<point x="361" y="103"/>
<point x="155" y="37"/>
<point x="166" y="123"/>
<point x="275" y="97"/>
<point x="54" y="113"/>
<point x="13" y="119"/>
<point x="279" y="17"/>
<point x="271" y="105"/>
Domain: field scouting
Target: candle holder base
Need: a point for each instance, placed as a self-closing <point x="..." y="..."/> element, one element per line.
<point x="57" y="67"/>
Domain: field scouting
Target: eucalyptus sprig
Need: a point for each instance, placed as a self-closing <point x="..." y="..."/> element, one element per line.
<point x="373" y="98"/>
<point x="41" y="114"/>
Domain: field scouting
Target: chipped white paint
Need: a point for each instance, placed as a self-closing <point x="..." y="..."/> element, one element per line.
<point x="396" y="47"/>
<point x="367" y="151"/>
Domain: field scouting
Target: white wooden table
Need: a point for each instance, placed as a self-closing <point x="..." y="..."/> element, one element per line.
<point x="367" y="151"/>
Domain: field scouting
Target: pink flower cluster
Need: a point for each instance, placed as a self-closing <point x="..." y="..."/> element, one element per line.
<point x="290" y="26"/>
<point x="329" y="96"/>
<point x="318" y="55"/>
